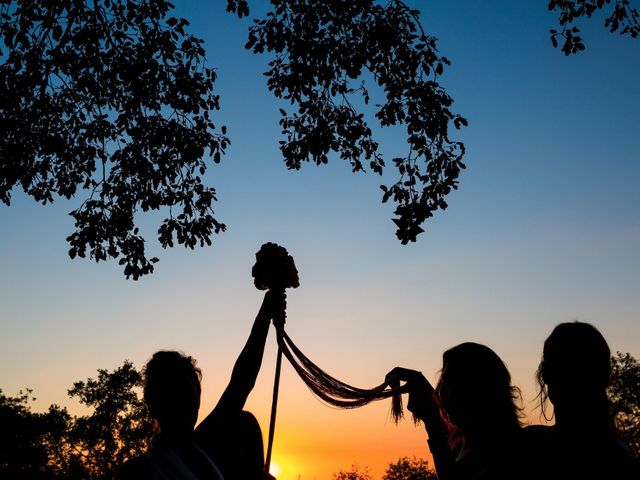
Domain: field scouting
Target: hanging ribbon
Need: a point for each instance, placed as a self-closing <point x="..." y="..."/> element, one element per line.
<point x="331" y="390"/>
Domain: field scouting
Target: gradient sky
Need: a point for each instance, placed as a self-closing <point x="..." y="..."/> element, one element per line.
<point x="545" y="228"/>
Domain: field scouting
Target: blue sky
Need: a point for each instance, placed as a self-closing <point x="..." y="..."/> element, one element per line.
<point x="544" y="228"/>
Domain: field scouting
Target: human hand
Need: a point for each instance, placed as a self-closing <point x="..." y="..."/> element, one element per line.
<point x="274" y="307"/>
<point x="421" y="402"/>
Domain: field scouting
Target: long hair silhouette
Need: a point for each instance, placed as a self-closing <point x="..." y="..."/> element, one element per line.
<point x="475" y="392"/>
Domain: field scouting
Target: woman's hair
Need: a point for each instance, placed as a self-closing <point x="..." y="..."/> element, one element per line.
<point x="577" y="359"/>
<point x="164" y="372"/>
<point x="243" y="451"/>
<point x="474" y="389"/>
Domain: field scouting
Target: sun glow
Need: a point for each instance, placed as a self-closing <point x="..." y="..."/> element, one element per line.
<point x="274" y="469"/>
<point x="283" y="467"/>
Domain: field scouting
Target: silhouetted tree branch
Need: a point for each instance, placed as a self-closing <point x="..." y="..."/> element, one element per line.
<point x="323" y="50"/>
<point x="119" y="426"/>
<point x="55" y="445"/>
<point x="620" y="16"/>
<point x="111" y="98"/>
<point x="111" y="101"/>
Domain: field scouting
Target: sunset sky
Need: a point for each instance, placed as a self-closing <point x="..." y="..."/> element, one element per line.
<point x="544" y="228"/>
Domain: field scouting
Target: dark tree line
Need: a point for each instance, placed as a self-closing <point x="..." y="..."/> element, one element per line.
<point x="56" y="445"/>
<point x="624" y="394"/>
<point x="112" y="101"/>
<point x="404" y="468"/>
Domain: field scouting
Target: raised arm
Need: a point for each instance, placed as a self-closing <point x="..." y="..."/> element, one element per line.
<point x="247" y="366"/>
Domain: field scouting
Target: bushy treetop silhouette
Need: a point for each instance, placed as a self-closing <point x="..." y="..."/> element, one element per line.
<point x="406" y="468"/>
<point x="624" y="394"/>
<point x="56" y="445"/>
<point x="112" y="100"/>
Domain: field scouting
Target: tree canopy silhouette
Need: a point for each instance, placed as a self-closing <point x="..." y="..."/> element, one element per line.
<point x="355" y="473"/>
<point x="322" y="50"/>
<point x="111" y="97"/>
<point x="112" y="101"/>
<point x="413" y="468"/>
<point x="620" y="17"/>
<point x="624" y="394"/>
<point x="404" y="468"/>
<point x="54" y="444"/>
<point x="28" y="440"/>
<point x="119" y="426"/>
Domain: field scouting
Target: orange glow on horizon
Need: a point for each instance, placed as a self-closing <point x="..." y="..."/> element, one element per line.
<point x="327" y="441"/>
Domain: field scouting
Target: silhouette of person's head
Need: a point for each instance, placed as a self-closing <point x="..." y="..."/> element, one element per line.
<point x="475" y="391"/>
<point x="172" y="392"/>
<point x="575" y="367"/>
